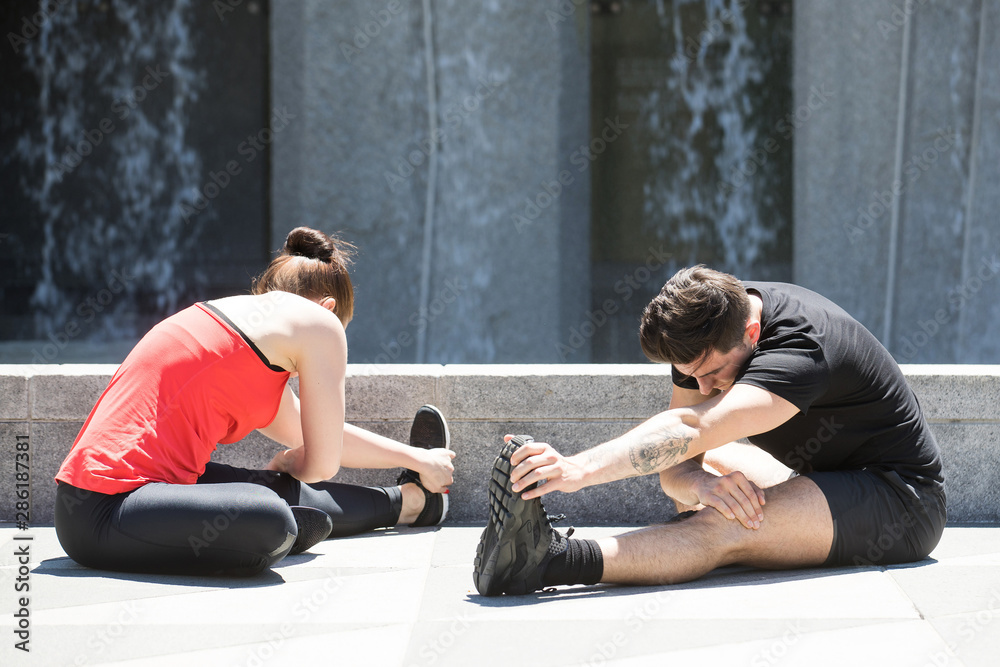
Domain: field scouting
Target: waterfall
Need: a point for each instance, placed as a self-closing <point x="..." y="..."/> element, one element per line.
<point x="108" y="163"/>
<point x="705" y="194"/>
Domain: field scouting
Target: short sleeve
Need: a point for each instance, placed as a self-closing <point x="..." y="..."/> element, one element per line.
<point x="791" y="366"/>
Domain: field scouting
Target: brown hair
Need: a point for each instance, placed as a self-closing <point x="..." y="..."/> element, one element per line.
<point x="314" y="265"/>
<point x="698" y="310"/>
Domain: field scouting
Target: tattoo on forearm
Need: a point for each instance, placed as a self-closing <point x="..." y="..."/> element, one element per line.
<point x="658" y="450"/>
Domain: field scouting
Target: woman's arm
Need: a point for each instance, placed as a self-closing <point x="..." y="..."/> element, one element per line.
<point x="286" y="427"/>
<point x="364" y="449"/>
<point x="317" y="349"/>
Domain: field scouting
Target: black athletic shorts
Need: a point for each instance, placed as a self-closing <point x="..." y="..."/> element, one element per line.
<point x="880" y="517"/>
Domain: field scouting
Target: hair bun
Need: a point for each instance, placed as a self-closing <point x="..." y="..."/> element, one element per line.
<point x="310" y="243"/>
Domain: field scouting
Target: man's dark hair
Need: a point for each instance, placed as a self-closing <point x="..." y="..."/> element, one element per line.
<point x="697" y="311"/>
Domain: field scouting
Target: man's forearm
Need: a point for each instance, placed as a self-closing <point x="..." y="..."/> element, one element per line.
<point x="657" y="444"/>
<point x="677" y="482"/>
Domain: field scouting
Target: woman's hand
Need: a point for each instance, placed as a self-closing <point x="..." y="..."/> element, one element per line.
<point x="281" y="461"/>
<point x="437" y="473"/>
<point x="734" y="495"/>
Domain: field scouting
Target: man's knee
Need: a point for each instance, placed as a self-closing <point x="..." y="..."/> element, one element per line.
<point x="725" y="535"/>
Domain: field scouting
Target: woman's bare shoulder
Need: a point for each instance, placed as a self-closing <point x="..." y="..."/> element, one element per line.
<point x="284" y="326"/>
<point x="260" y="312"/>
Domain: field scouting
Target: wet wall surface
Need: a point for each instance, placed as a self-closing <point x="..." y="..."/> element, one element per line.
<point x="520" y="180"/>
<point x="134" y="171"/>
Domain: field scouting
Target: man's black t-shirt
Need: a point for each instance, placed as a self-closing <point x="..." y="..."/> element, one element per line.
<point x="855" y="408"/>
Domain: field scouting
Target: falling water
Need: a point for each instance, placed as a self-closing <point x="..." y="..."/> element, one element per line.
<point x="702" y="174"/>
<point x="110" y="161"/>
<point x="704" y="194"/>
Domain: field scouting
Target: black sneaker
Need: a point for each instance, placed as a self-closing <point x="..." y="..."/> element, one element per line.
<point x="518" y="541"/>
<point x="314" y="527"/>
<point x="428" y="431"/>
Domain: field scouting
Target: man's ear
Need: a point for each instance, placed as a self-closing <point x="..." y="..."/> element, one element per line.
<point x="329" y="303"/>
<point x="753" y="331"/>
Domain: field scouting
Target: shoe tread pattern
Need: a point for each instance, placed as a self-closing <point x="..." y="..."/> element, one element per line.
<point x="517" y="537"/>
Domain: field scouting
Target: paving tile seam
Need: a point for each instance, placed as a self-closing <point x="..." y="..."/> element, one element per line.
<point x="411" y="624"/>
<point x="962" y="615"/>
<point x="902" y="592"/>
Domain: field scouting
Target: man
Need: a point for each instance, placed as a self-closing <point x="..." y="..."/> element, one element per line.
<point x="826" y="407"/>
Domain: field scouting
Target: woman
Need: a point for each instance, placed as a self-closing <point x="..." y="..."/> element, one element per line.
<point x="138" y="492"/>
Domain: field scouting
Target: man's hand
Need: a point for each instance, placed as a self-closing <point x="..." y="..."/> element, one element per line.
<point x="734" y="495"/>
<point x="438" y="473"/>
<point x="537" y="461"/>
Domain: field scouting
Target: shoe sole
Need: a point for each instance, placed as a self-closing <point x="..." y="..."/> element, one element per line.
<point x="498" y="558"/>
<point x="447" y="445"/>
<point x="444" y="508"/>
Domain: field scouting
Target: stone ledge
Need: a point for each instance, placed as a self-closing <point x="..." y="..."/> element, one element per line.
<point x="956" y="392"/>
<point x="572" y="406"/>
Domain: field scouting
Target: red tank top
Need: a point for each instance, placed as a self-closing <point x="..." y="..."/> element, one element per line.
<point x="193" y="381"/>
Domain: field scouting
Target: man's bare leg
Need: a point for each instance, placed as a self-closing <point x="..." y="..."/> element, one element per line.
<point x="797" y="532"/>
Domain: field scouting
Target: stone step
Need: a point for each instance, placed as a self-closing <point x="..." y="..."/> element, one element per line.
<point x="571" y="406"/>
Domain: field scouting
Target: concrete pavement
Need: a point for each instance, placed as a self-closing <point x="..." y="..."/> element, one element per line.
<point x="406" y="598"/>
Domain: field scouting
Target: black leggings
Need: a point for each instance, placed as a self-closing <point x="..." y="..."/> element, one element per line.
<point x="233" y="521"/>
